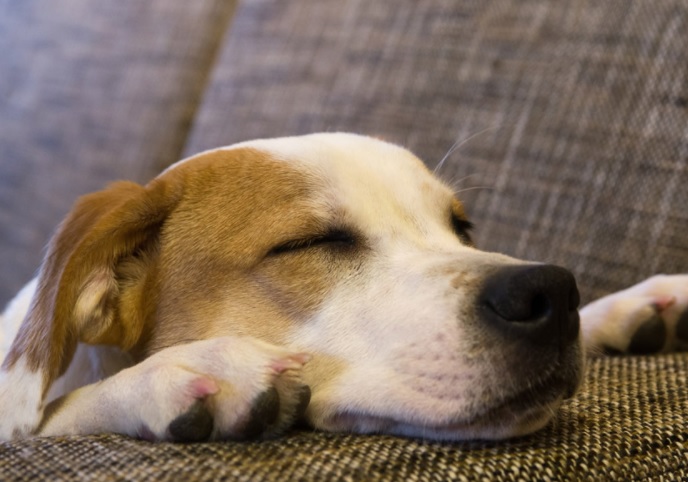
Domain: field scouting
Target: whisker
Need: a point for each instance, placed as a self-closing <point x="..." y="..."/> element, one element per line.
<point x="455" y="182"/>
<point x="449" y="152"/>
<point x="473" y="188"/>
<point x="459" y="143"/>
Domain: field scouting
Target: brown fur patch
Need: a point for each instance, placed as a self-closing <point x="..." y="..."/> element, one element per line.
<point x="458" y="210"/>
<point x="217" y="275"/>
<point x="186" y="257"/>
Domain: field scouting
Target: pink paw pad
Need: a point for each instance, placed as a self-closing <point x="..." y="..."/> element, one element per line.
<point x="293" y="362"/>
<point x="201" y="387"/>
<point x="661" y="303"/>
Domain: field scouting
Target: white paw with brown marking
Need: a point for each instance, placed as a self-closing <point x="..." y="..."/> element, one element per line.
<point x="649" y="317"/>
<point x="223" y="388"/>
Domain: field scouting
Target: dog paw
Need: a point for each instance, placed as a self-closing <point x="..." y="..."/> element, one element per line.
<point x="649" y="317"/>
<point x="223" y="388"/>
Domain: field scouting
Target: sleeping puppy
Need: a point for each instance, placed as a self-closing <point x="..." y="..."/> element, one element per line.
<point x="328" y="278"/>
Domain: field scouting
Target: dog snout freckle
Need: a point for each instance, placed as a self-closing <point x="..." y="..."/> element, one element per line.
<point x="461" y="279"/>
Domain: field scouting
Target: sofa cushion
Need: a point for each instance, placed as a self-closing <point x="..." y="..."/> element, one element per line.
<point x="628" y="424"/>
<point x="91" y="92"/>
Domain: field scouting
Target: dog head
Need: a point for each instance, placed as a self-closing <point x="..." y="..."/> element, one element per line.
<point x="342" y="246"/>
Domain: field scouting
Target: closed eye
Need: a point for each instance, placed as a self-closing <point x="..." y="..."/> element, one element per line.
<point x="335" y="239"/>
<point x="462" y="228"/>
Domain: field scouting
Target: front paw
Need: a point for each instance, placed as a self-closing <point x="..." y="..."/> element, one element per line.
<point x="649" y="317"/>
<point x="224" y="388"/>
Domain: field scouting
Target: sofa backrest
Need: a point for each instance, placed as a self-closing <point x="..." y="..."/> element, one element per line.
<point x="573" y="114"/>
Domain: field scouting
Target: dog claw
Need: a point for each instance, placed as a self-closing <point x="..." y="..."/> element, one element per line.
<point x="293" y="362"/>
<point x="264" y="413"/>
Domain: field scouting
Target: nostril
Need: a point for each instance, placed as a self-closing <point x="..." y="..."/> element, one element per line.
<point x="521" y="309"/>
<point x="540" y="307"/>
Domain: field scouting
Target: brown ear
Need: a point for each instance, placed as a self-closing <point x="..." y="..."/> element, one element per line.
<point x="78" y="292"/>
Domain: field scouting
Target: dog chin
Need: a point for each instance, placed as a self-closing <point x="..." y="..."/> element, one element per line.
<point x="515" y="415"/>
<point x="501" y="426"/>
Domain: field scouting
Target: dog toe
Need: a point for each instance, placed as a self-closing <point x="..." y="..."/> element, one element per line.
<point x="682" y="328"/>
<point x="304" y="398"/>
<point x="650" y="337"/>
<point x="194" y="425"/>
<point x="264" y="413"/>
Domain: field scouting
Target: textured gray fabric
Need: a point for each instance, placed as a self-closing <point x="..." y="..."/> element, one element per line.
<point x="584" y="162"/>
<point x="629" y="424"/>
<point x="91" y="92"/>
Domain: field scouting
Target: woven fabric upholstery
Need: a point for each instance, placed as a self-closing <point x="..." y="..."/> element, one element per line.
<point x="91" y="92"/>
<point x="585" y="161"/>
<point x="627" y="425"/>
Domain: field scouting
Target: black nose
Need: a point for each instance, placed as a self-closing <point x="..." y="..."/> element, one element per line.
<point x="534" y="302"/>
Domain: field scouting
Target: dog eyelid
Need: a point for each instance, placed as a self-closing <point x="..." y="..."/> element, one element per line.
<point x="335" y="237"/>
<point x="462" y="228"/>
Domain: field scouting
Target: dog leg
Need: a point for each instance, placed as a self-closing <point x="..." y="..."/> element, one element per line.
<point x="235" y="388"/>
<point x="649" y="317"/>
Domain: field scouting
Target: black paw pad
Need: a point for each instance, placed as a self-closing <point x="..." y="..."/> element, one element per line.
<point x="264" y="413"/>
<point x="195" y="425"/>
<point x="649" y="338"/>
<point x="682" y="327"/>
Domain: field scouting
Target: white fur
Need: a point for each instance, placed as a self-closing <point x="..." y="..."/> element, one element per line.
<point x="25" y="404"/>
<point x="20" y="389"/>
<point x="14" y="314"/>
<point x="143" y="400"/>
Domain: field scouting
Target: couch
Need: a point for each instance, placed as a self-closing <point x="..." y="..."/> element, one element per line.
<point x="574" y="121"/>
